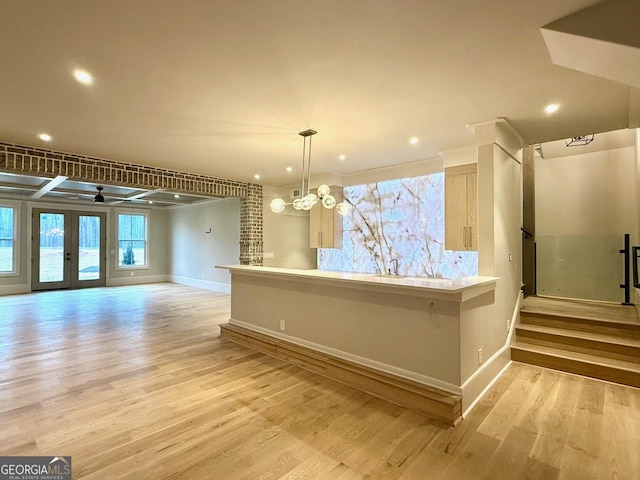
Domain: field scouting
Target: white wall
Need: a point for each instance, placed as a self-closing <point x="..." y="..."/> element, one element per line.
<point x="499" y="254"/>
<point x="586" y="194"/>
<point x="193" y="252"/>
<point x="286" y="236"/>
<point x="500" y="251"/>
<point x="382" y="328"/>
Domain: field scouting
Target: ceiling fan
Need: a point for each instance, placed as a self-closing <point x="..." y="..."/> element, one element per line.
<point x="99" y="198"/>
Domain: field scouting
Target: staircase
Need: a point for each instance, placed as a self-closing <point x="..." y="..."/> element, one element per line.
<point x="579" y="340"/>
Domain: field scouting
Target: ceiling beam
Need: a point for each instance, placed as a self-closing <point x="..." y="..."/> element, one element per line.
<point x="50" y="185"/>
<point x="144" y="194"/>
<point x="17" y="186"/>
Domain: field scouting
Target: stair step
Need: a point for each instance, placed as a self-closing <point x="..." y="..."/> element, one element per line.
<point x="611" y="346"/>
<point x="585" y="324"/>
<point x="610" y="369"/>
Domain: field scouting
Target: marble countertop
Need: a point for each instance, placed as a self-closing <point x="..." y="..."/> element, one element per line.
<point x="415" y="285"/>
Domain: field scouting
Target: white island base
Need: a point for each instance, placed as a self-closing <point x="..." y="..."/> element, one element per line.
<point x="395" y="338"/>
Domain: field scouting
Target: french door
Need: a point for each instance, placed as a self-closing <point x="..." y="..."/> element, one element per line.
<point x="69" y="249"/>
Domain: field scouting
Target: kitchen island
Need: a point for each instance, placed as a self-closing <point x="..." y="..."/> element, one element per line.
<point x="374" y="332"/>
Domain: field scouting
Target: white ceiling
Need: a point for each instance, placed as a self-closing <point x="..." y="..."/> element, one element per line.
<point x="223" y="87"/>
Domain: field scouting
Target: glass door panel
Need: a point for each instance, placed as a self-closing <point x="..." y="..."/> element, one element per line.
<point x="51" y="250"/>
<point x="89" y="247"/>
<point x="70" y="250"/>
<point x="52" y="257"/>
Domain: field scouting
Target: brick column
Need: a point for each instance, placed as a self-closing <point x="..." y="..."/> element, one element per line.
<point x="251" y="226"/>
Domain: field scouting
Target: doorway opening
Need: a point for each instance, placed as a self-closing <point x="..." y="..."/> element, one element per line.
<point x="68" y="249"/>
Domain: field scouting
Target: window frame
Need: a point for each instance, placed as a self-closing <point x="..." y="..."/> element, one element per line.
<point x="142" y="213"/>
<point x="15" y="260"/>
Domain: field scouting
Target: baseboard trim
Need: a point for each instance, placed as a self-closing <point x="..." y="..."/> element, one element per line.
<point x="14" y="289"/>
<point x="140" y="280"/>
<point x="429" y="401"/>
<point x="202" y="284"/>
<point x="474" y="388"/>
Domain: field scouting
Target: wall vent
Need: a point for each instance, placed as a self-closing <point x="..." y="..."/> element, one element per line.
<point x="296" y="193"/>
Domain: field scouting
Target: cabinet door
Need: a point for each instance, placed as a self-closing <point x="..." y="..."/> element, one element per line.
<point x="472" y="211"/>
<point x="460" y="204"/>
<point x="455" y="206"/>
<point x="325" y="225"/>
<point x="315" y="226"/>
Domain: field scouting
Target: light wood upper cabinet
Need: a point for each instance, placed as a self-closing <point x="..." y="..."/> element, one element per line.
<point x="325" y="225"/>
<point x="461" y="207"/>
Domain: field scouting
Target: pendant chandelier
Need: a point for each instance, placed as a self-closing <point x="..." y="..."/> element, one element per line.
<point x="580" y="140"/>
<point x="307" y="200"/>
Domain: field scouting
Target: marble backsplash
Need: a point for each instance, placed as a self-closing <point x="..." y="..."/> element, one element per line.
<point x="398" y="219"/>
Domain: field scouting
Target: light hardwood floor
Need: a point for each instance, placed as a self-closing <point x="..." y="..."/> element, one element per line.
<point x="134" y="383"/>
<point x="583" y="308"/>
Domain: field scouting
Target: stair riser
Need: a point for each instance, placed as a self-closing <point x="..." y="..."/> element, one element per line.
<point x="578" y="367"/>
<point x="581" y="325"/>
<point x="595" y="347"/>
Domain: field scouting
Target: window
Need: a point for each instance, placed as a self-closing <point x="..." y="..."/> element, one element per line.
<point x="7" y="239"/>
<point x="132" y="240"/>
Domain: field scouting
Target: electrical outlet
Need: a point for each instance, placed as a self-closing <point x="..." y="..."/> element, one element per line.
<point x="508" y="324"/>
<point x="510" y="257"/>
<point x="282" y="325"/>
<point x="131" y="274"/>
<point x="479" y="356"/>
<point x="269" y="255"/>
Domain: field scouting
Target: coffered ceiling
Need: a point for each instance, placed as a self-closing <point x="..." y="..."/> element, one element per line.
<point x="223" y="87"/>
<point x="63" y="190"/>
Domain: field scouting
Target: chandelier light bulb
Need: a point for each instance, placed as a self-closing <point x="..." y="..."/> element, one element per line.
<point x="312" y="198"/>
<point x="306" y="203"/>
<point x="323" y="190"/>
<point x="328" y="201"/>
<point x="277" y="205"/>
<point x="297" y="204"/>
<point x="343" y="208"/>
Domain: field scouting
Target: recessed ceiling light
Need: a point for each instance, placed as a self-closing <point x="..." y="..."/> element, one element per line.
<point x="176" y="196"/>
<point x="256" y="176"/>
<point x="413" y="140"/>
<point x="289" y="169"/>
<point x="150" y="202"/>
<point x="342" y="157"/>
<point x="45" y="136"/>
<point x="83" y="77"/>
<point x="551" y="108"/>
